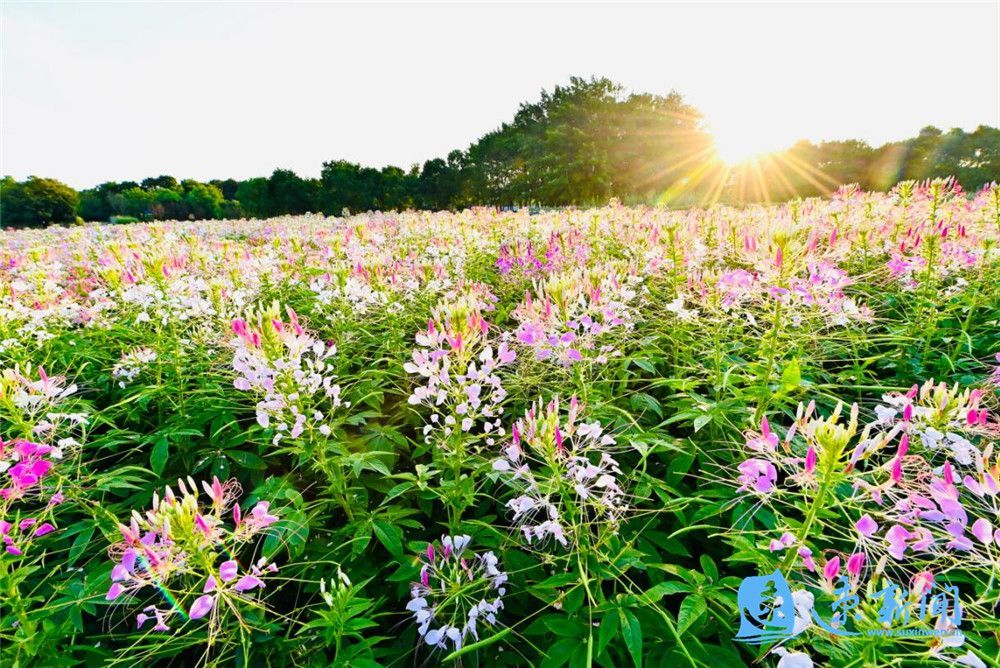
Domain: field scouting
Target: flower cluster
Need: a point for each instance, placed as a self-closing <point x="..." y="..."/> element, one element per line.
<point x="936" y="415"/>
<point x="30" y="487"/>
<point x="916" y="511"/>
<point x="458" y="593"/>
<point x="528" y="258"/>
<point x="132" y="364"/>
<point x="930" y="242"/>
<point x="564" y="476"/>
<point x="289" y="369"/>
<point x="572" y="314"/>
<point x="24" y="467"/>
<point x="460" y="366"/>
<point x="34" y="397"/>
<point x="175" y="549"/>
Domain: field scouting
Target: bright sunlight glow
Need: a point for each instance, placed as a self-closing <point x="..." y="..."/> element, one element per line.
<point x="736" y="145"/>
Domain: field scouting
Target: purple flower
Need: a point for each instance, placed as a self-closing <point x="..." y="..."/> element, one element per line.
<point x="960" y="540"/>
<point x="114" y="592"/>
<point x="832" y="568"/>
<point x="505" y="355"/>
<point x="866" y="526"/>
<point x="248" y="582"/>
<point x="228" y="570"/>
<point x="983" y="531"/>
<point x="807" y="559"/>
<point x="757" y="474"/>
<point x="786" y="540"/>
<point x="897" y="537"/>
<point x="855" y="563"/>
<point x="202" y="606"/>
<point x="43" y="529"/>
<point x="767" y="441"/>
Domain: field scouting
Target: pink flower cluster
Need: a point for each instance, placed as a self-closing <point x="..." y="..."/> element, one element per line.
<point x="573" y="314"/>
<point x="175" y="545"/>
<point x="920" y="507"/>
<point x="24" y="466"/>
<point x="527" y="258"/>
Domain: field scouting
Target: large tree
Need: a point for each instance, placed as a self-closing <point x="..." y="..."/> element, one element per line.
<point x="36" y="202"/>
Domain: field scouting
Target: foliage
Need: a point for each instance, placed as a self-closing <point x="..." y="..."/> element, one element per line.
<point x="581" y="144"/>
<point x="36" y="202"/>
<point x="497" y="438"/>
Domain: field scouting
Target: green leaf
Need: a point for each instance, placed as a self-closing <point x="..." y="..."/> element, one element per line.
<point x="376" y="465"/>
<point x="644" y="364"/>
<point x="561" y="652"/>
<point x="390" y="536"/>
<point x="791" y="376"/>
<point x="561" y="626"/>
<point x="692" y="608"/>
<point x="158" y="457"/>
<point x="708" y="567"/>
<point x="632" y="633"/>
<point x="656" y="592"/>
<point x="609" y="627"/>
<point x="701" y="421"/>
<point x="478" y="645"/>
<point x="247" y="460"/>
<point x="79" y="545"/>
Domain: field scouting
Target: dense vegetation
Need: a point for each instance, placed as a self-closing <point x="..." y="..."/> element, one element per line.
<point x="581" y="144"/>
<point x="491" y="438"/>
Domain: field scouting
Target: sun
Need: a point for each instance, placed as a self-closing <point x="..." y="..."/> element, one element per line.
<point x="736" y="145"/>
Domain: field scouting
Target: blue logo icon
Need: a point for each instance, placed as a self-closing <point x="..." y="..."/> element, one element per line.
<point x="767" y="611"/>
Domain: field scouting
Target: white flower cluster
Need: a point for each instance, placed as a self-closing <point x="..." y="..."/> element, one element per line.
<point x="938" y="416"/>
<point x="132" y="364"/>
<point x="462" y="388"/>
<point x="566" y="479"/>
<point x="292" y="373"/>
<point x="456" y="592"/>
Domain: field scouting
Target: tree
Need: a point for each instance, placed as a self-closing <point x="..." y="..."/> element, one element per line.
<point x="133" y="202"/>
<point x="36" y="202"/>
<point x="204" y="201"/>
<point x="168" y="204"/>
<point x="341" y="187"/>
<point x="168" y="182"/>
<point x="290" y="194"/>
<point x="254" y="197"/>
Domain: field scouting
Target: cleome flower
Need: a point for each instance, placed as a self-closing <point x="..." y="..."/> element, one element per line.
<point x="132" y="364"/>
<point x="458" y="593"/>
<point x="458" y="361"/>
<point x="26" y="479"/>
<point x="572" y="314"/>
<point x="184" y="548"/>
<point x="564" y="477"/>
<point x="936" y="416"/>
<point x="289" y="370"/>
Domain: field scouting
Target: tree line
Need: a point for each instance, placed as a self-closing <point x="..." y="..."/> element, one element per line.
<point x="580" y="144"/>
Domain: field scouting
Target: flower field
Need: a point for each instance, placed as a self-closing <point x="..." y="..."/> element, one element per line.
<point x="503" y="438"/>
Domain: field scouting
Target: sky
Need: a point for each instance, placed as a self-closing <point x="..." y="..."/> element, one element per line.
<point x="120" y="91"/>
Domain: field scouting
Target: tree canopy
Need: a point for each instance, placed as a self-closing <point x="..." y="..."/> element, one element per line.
<point x="582" y="143"/>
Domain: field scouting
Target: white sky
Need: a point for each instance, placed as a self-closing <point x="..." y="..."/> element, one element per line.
<point x="96" y="92"/>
